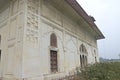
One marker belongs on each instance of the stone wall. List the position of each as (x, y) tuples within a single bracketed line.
[(25, 29), (11, 32), (42, 21)]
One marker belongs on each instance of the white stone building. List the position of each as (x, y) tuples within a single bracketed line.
[(45, 39)]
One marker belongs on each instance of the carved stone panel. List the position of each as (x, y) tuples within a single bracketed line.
[(33, 6), (32, 21), (32, 36), (32, 28)]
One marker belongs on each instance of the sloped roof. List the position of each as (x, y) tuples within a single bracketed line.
[(90, 20)]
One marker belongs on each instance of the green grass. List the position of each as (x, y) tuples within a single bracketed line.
[(101, 71)]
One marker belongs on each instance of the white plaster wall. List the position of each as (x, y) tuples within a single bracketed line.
[(11, 31), (71, 51), (25, 29)]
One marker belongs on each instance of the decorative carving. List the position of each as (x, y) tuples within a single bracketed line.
[(33, 6), (32, 21), (32, 28), (32, 36), (32, 32)]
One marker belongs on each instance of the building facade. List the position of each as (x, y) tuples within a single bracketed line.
[(45, 39)]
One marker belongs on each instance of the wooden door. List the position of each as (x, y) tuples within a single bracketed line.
[(53, 61)]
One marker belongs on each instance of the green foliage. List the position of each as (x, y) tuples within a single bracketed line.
[(101, 71)]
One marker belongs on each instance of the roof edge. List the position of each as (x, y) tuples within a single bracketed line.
[(76, 6)]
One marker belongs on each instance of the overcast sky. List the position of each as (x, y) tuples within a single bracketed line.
[(107, 15)]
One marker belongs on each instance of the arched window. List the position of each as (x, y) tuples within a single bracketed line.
[(83, 58), (53, 54), (95, 56), (83, 49), (53, 40)]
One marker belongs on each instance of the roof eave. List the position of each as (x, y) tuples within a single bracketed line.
[(75, 5)]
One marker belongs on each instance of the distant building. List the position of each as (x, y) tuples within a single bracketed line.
[(45, 39)]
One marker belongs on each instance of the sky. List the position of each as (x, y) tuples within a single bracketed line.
[(107, 16)]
